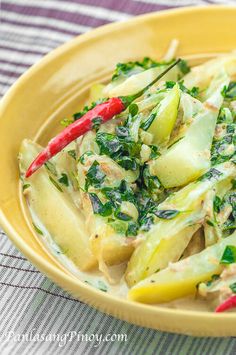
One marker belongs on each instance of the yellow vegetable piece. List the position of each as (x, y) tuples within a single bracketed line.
[(189, 157), (56, 211), (166, 114), (166, 239), (169, 248), (180, 279)]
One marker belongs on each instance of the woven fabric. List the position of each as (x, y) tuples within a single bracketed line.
[(36, 316)]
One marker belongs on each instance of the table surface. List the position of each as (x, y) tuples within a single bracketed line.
[(36, 316)]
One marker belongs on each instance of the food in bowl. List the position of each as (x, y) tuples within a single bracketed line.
[(136, 196)]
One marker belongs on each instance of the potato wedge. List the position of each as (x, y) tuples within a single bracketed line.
[(181, 279), (56, 211)]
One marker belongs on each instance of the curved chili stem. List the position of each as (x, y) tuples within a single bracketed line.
[(127, 100), (103, 112), (227, 304)]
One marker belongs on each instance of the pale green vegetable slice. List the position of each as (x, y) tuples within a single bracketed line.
[(181, 279), (137, 82), (189, 157), (202, 75), (169, 248), (165, 115), (190, 106), (51, 204), (188, 201), (96, 92), (148, 102)]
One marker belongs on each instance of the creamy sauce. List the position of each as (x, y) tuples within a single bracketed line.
[(96, 279)]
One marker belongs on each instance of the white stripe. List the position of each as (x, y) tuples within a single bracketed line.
[(14, 35), (174, 3), (15, 44), (40, 20), (36, 32), (87, 10), (3, 89), (225, 2), (19, 57), (17, 37), (8, 80), (12, 67)]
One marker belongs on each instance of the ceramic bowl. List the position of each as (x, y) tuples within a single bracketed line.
[(56, 87)]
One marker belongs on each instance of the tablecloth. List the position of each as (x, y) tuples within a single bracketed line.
[(36, 316)]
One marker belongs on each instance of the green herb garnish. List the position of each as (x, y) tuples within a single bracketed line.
[(55, 184), (132, 229), (37, 229), (124, 70), (51, 168), (102, 286), (72, 153), (78, 115), (98, 207), (217, 204), (229, 255), (95, 176), (229, 93), (65, 122), (64, 179), (213, 278), (96, 123), (86, 154), (108, 143), (133, 109), (25, 186), (146, 124), (184, 67), (211, 174), (152, 182), (167, 214), (233, 287)]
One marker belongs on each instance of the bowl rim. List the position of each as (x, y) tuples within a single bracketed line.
[(37, 260)]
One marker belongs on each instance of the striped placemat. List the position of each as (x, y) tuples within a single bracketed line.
[(36, 316)]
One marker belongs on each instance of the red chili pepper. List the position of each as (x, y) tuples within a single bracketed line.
[(227, 304), (104, 112)]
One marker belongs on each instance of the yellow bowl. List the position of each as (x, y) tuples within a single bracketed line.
[(54, 88)]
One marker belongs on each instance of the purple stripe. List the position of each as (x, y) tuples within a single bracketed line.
[(10, 73), (15, 62), (70, 17), (126, 6), (24, 50)]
